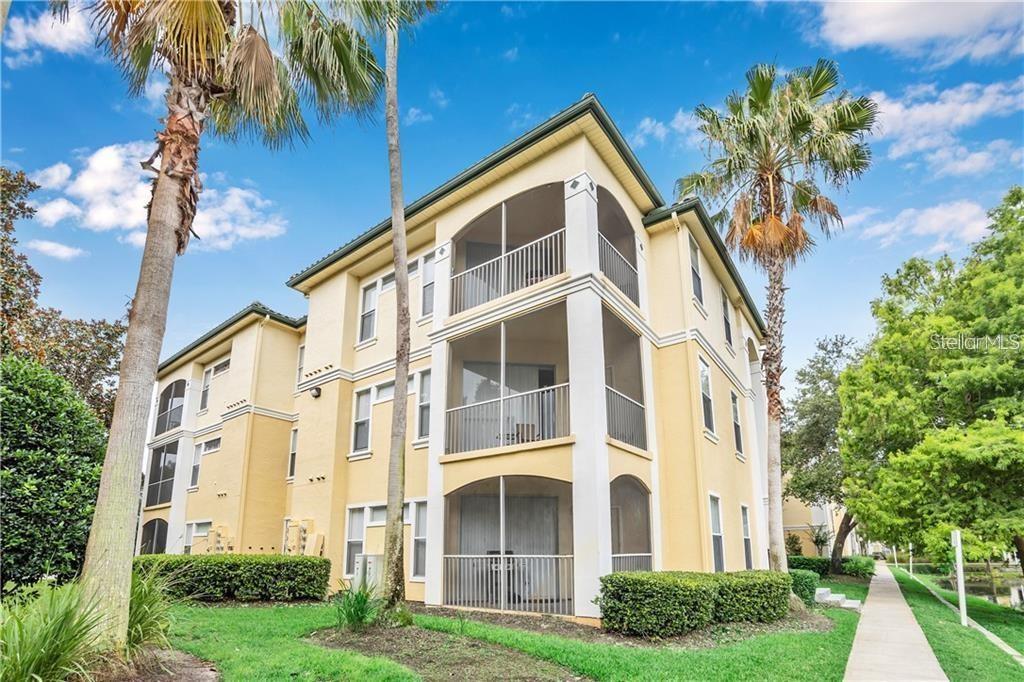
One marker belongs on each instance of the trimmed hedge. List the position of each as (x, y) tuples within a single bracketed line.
[(858, 566), (245, 577), (818, 564), (804, 584), (664, 604)]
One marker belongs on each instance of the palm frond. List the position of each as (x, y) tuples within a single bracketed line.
[(760, 81), (250, 74), (192, 36)]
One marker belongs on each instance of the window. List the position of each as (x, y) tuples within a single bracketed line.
[(736, 432), (293, 449), (298, 369), (356, 533), (727, 317), (197, 455), (414, 266), (367, 320), (717, 545), (221, 367), (419, 541), (378, 515), (698, 287), (423, 406), (204, 397), (406, 513), (199, 529), (361, 428), (387, 281), (705, 395), (748, 552), (154, 537), (427, 284), (386, 391), (168, 411), (161, 474)]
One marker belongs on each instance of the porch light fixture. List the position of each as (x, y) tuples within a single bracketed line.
[(315, 391)]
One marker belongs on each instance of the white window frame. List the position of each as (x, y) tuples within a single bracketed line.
[(375, 285), (368, 420), (737, 425), (204, 394), (704, 370), (387, 282), (424, 283), (377, 391), (748, 545), (696, 279), (420, 404), (721, 530), (727, 319), (418, 534), (221, 366), (190, 533), (300, 360), (293, 453), (370, 523), (349, 540), (197, 458)]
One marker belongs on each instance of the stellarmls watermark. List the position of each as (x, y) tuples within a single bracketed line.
[(980, 343)]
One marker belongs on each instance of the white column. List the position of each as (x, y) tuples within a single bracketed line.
[(433, 589), (581, 243), (592, 538), (641, 277), (646, 359), (179, 493), (757, 415)]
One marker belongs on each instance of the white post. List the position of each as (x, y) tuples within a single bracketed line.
[(911, 558), (960, 591), (895, 557)]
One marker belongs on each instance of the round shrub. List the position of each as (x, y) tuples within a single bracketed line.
[(805, 583), (51, 448)]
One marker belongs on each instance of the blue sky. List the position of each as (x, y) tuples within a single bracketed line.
[(948, 78)]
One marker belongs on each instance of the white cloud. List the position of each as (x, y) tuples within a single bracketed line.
[(682, 130), (958, 160), (54, 177), (28, 35), (942, 32), (511, 54), (439, 98), (950, 225), (520, 116), (52, 212), (414, 116), (155, 92), (646, 129), (860, 216), (109, 192), (928, 118), (55, 249)]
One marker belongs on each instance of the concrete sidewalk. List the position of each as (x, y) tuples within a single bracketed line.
[(889, 644)]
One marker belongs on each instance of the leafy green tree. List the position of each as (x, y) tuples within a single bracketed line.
[(51, 445), (944, 373), (767, 152), (85, 352), (810, 440)]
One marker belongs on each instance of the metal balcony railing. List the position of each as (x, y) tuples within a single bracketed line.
[(515, 270), (525, 583), (626, 419), (619, 270), (527, 417), (631, 562)]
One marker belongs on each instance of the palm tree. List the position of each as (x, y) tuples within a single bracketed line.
[(224, 76), (767, 152)]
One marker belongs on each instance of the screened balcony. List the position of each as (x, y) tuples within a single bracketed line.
[(508, 383), (617, 246), (631, 525), (513, 245), (623, 378), (509, 546)]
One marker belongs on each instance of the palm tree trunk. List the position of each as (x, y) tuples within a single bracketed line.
[(394, 561), (106, 573), (772, 363), (846, 527)]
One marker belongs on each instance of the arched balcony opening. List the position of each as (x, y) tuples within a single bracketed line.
[(623, 378), (509, 545), (511, 246), (617, 247), (631, 525), (170, 407), (154, 537)]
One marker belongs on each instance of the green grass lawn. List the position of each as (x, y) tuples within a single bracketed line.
[(262, 643), (268, 643), (1001, 620), (963, 653)]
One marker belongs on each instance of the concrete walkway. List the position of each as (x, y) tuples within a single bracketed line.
[(889, 644)]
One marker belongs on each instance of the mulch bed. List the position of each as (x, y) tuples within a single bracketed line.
[(717, 635), (161, 665), (441, 656)]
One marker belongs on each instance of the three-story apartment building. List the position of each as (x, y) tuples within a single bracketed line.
[(584, 392)]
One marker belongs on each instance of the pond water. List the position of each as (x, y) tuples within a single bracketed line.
[(1005, 589)]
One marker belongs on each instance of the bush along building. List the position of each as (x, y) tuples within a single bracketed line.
[(585, 393)]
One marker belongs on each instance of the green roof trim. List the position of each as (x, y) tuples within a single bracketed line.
[(254, 308), (589, 104), (693, 204)]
